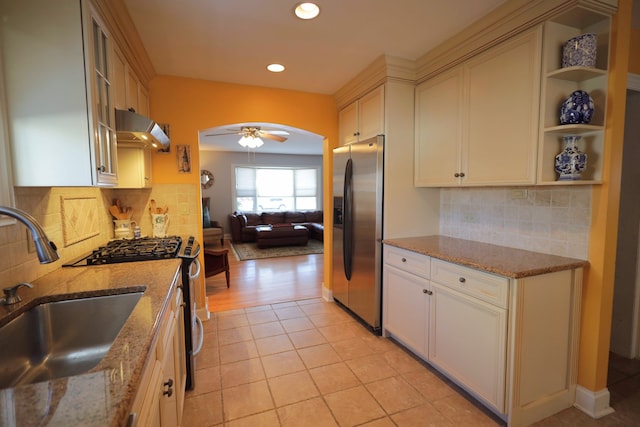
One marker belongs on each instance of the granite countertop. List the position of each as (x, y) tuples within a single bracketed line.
[(104, 395), (502, 260)]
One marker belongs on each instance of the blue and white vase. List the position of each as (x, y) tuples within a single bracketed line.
[(571, 162), (580, 51), (577, 108)]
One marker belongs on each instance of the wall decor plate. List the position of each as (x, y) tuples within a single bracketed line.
[(580, 51), (577, 108)]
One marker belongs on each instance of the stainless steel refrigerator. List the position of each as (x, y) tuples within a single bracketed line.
[(357, 228)]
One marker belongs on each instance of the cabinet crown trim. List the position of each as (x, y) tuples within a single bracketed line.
[(384, 68)]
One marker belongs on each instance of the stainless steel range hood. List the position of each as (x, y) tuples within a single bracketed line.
[(133, 127)]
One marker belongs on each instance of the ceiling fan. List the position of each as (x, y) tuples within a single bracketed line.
[(256, 132)]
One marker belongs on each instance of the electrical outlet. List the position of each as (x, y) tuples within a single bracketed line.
[(31, 246)]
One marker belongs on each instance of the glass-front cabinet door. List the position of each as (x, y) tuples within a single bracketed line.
[(102, 113)]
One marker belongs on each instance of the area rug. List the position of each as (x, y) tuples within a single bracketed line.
[(245, 251)]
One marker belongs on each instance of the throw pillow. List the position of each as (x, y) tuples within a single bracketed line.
[(206, 218)]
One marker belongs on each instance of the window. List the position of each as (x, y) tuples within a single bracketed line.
[(261, 189)]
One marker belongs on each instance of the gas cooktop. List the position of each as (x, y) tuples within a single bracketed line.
[(130, 250)]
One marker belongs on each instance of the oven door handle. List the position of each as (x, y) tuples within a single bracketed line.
[(197, 273), (200, 338)]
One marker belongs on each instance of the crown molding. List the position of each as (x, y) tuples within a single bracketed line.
[(382, 69), (125, 35), (506, 21)]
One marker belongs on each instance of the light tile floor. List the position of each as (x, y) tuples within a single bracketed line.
[(309, 363)]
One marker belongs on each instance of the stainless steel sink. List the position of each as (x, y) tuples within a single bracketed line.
[(63, 338)]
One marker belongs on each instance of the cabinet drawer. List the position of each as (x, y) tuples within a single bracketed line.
[(485, 286), (411, 262)]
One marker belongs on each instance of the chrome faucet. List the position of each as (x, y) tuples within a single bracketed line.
[(46, 249)]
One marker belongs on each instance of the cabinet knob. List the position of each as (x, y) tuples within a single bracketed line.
[(461, 174), (462, 280), (404, 260), (102, 168), (427, 291)]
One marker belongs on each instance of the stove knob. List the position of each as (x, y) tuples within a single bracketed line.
[(187, 251), (191, 240)]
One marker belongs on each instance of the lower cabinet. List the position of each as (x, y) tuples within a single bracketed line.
[(467, 339), (511, 343), (406, 302), (160, 397)]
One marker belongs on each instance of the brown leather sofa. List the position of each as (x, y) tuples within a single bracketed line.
[(243, 224)]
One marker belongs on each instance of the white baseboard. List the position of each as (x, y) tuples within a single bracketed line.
[(593, 403), (327, 294), (203, 314)]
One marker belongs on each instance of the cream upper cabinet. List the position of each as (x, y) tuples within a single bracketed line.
[(363, 118), (61, 115), (439, 130), (134, 166), (129, 90), (477, 124), (119, 79)]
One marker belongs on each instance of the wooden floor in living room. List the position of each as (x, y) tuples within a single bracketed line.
[(265, 281)]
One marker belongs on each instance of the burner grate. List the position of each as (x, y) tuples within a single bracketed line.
[(143, 249)]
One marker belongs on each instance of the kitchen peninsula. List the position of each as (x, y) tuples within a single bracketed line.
[(104, 396), (503, 323)]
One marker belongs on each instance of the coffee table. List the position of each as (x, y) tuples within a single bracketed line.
[(268, 236)]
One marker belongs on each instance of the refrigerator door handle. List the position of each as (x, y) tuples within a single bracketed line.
[(347, 235)]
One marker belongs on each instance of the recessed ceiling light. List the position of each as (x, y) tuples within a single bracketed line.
[(307, 10), (275, 68)]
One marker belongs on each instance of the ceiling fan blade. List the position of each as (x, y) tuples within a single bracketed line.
[(275, 132), (224, 133), (272, 137)]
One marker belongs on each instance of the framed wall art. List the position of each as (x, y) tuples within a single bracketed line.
[(166, 128), (184, 158)]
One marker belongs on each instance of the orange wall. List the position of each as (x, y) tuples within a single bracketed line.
[(597, 301), (190, 105)]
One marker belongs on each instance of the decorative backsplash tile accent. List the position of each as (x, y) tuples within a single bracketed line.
[(80, 219), (553, 220)]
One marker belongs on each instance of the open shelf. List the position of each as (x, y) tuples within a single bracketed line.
[(558, 83)]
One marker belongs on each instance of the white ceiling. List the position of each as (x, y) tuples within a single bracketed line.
[(233, 40)]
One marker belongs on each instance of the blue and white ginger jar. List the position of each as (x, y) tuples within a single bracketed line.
[(577, 108), (571, 162), (580, 51)]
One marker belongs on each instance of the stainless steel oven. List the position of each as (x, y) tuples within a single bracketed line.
[(193, 329)]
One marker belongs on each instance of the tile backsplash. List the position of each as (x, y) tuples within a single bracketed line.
[(77, 220), (554, 220)]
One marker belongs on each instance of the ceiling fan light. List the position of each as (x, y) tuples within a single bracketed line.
[(249, 141), (307, 10), (275, 68), (245, 141)]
